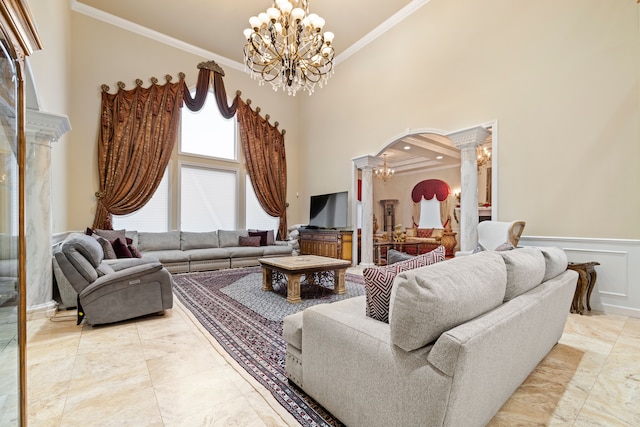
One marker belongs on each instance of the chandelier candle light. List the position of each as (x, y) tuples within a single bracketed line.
[(287, 48), (385, 173)]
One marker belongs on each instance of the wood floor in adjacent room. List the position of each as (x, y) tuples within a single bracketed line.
[(165, 371)]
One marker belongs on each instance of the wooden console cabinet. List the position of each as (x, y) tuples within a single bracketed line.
[(329, 243)]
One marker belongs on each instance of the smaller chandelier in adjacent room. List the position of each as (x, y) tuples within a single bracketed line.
[(287, 48), (483, 155), (385, 173)]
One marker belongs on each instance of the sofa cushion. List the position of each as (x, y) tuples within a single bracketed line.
[(158, 241), (292, 329), (555, 262), (209, 253), (525, 270), (230, 238), (246, 252), (378, 281), (428, 301), (194, 240), (172, 255), (394, 256), (277, 250)]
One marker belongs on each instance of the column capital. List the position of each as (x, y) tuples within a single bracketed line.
[(469, 138), (47, 126), (367, 162)]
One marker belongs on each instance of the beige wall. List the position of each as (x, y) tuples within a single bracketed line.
[(53, 79), (561, 79)]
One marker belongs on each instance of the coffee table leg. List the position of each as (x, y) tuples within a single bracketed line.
[(267, 279), (338, 282), (293, 288)]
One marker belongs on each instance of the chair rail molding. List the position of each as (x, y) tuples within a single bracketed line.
[(617, 290)]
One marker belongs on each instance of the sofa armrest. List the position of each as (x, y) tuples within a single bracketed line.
[(345, 353), (124, 263), (131, 275)]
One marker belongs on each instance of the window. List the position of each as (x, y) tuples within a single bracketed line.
[(207, 133), (255, 216), (208, 199), (154, 216)]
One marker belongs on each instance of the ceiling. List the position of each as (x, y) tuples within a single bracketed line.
[(216, 26)]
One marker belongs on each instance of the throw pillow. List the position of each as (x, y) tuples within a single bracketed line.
[(271, 238), (107, 248), (135, 253), (111, 235), (261, 234), (121, 249), (425, 232), (378, 282), (506, 246), (478, 248), (249, 241), (394, 256)]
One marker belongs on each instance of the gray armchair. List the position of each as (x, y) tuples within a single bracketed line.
[(111, 292)]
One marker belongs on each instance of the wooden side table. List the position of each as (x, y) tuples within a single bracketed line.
[(586, 282)]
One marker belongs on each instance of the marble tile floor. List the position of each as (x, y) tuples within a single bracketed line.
[(166, 371)]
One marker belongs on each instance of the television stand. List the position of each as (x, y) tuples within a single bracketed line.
[(326, 242)]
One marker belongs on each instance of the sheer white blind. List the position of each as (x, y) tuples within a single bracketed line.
[(255, 216), (208, 199), (152, 217)]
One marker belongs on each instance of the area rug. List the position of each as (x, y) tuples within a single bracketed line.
[(247, 322)]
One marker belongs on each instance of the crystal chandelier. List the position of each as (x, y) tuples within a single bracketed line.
[(287, 48), (483, 155), (385, 173)]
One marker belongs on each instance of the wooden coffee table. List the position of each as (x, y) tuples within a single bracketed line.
[(293, 267)]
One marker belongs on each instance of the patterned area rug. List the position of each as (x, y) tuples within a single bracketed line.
[(247, 322)]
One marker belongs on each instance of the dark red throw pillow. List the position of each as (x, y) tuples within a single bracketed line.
[(121, 249), (261, 234), (249, 241), (135, 253)]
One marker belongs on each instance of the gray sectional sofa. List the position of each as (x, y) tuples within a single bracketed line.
[(183, 252), (463, 335)]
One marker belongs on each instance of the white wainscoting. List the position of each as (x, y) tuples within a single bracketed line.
[(617, 288)]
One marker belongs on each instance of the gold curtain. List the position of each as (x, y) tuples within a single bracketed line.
[(264, 151), (137, 134)]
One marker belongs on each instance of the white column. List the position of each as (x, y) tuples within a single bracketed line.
[(467, 141), (41, 129), (366, 164)]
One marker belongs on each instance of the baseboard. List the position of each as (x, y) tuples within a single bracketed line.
[(41, 311)]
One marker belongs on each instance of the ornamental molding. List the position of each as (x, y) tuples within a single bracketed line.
[(469, 138), (367, 162), (48, 126)]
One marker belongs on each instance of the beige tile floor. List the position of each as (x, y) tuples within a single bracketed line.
[(164, 371)]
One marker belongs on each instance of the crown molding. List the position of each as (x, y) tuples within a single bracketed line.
[(152, 34), (100, 15), (394, 20)]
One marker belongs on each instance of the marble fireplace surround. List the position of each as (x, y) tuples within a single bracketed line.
[(41, 130), (467, 140)]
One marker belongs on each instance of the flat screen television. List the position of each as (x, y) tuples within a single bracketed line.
[(328, 210)]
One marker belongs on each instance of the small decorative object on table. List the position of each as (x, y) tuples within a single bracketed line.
[(584, 287)]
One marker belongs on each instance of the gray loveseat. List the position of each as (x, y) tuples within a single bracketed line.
[(183, 252), (463, 335)]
